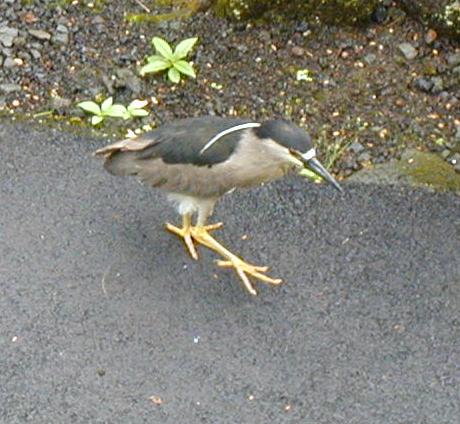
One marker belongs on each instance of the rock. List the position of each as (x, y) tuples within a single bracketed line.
[(9, 88), (9, 63), (370, 58), (61, 36), (453, 60), (364, 157), (59, 103), (416, 169), (456, 70), (356, 147), (445, 153), (127, 78), (35, 54), (408, 50), (40, 34), (457, 133), (7, 35), (455, 159), (438, 85), (1, 60), (297, 51), (430, 36), (423, 84)]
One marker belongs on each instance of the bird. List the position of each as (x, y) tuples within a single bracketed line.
[(198, 160)]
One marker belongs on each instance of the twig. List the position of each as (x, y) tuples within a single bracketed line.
[(103, 280), (143, 6)]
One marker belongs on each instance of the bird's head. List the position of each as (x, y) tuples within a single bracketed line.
[(299, 145)]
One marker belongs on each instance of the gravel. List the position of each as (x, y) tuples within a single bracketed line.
[(76, 52)]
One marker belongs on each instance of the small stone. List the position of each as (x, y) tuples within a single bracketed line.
[(9, 63), (59, 103), (445, 153), (438, 85), (455, 159), (423, 84), (370, 58), (453, 60), (356, 147), (7, 35), (40, 34), (9, 88), (364, 157), (297, 51), (35, 54), (60, 38), (457, 133), (456, 70), (430, 36), (408, 50), (127, 78)]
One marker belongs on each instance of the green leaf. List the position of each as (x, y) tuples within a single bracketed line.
[(162, 47), (137, 104), (106, 104), (174, 75), (155, 58), (185, 68), (184, 47), (155, 66), (116, 111), (139, 112), (96, 119), (90, 107)]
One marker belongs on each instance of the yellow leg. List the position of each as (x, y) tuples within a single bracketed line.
[(186, 233), (243, 269)]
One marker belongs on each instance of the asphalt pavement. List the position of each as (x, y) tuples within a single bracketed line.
[(104, 318)]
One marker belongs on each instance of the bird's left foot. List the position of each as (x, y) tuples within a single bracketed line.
[(243, 269)]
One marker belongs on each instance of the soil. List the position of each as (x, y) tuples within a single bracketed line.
[(370, 93)]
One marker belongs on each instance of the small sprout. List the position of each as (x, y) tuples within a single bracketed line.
[(167, 59), (304, 75), (136, 108), (109, 109)]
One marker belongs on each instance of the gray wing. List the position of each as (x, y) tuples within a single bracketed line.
[(169, 157)]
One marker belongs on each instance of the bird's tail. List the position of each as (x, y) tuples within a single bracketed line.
[(121, 158)]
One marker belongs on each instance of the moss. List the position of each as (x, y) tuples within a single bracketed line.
[(140, 18), (329, 11), (429, 169)]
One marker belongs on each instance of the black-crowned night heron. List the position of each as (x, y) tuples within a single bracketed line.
[(198, 160)]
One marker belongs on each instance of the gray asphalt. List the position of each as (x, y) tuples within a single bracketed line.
[(101, 309)]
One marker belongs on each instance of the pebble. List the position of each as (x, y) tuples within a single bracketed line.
[(364, 157), (9, 88), (408, 50), (430, 36), (40, 34), (453, 59), (423, 84), (356, 147), (9, 63), (438, 85), (297, 51), (61, 36), (59, 103), (370, 58), (7, 35)]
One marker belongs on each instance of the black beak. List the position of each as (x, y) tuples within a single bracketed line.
[(315, 165)]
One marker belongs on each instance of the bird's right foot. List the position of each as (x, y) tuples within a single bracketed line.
[(187, 234)]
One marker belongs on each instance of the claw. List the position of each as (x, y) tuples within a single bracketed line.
[(200, 235)]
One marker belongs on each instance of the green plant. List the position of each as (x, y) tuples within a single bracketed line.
[(109, 109), (174, 62)]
